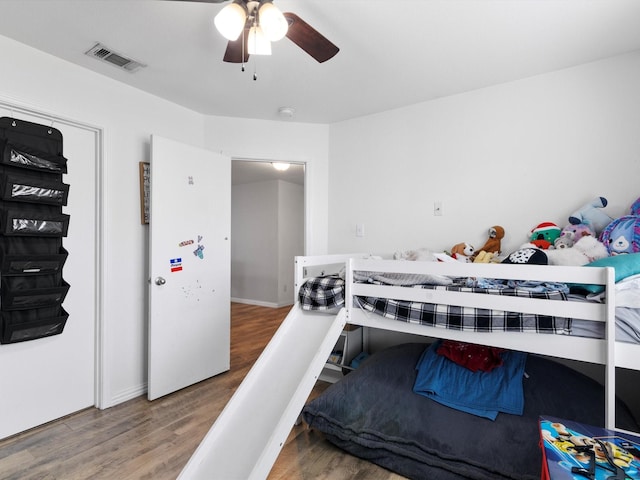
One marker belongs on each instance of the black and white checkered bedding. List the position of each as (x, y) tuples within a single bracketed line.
[(327, 293), (322, 293)]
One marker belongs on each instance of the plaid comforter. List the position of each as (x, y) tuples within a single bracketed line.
[(322, 293), (326, 293)]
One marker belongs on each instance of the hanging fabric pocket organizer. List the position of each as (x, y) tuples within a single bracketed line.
[(32, 226)]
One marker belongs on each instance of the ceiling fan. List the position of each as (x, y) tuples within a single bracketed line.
[(246, 14)]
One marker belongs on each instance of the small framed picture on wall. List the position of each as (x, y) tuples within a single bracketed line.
[(145, 177)]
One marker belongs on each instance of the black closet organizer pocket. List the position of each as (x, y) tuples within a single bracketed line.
[(26, 157), (31, 246), (22, 325), (32, 264), (34, 291), (32, 226), (33, 220), (33, 190)]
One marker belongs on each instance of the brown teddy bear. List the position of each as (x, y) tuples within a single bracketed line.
[(492, 245)]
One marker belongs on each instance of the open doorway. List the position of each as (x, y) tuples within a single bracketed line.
[(267, 231)]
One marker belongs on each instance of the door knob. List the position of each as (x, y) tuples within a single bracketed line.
[(160, 281)]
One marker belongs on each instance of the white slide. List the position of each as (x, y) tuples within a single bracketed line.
[(246, 438)]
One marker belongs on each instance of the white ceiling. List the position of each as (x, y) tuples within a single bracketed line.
[(392, 52)]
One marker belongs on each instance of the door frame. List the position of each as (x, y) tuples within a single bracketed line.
[(100, 364)]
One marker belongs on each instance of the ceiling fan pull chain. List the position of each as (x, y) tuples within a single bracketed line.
[(242, 34), (255, 73)]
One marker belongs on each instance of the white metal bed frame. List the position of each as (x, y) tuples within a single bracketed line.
[(249, 433), (604, 351)]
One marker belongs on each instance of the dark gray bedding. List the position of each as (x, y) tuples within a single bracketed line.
[(373, 413)]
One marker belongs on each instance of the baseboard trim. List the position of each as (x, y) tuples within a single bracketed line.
[(127, 395), (259, 303)]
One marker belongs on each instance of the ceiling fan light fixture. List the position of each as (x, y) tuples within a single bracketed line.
[(231, 19), (258, 43), (272, 21)]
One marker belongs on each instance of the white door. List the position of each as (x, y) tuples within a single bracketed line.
[(48, 378), (189, 291)]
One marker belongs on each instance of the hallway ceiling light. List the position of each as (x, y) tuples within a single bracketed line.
[(281, 166)]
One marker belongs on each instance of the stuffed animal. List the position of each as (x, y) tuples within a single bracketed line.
[(590, 214), (418, 255), (492, 245), (564, 241), (484, 257), (586, 250), (571, 234), (578, 230), (462, 252), (623, 234), (544, 234)]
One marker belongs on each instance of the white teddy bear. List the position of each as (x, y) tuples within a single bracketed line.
[(418, 255), (585, 250)]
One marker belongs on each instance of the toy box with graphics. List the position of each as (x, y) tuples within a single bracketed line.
[(573, 450)]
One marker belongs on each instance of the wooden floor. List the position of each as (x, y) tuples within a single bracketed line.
[(153, 440)]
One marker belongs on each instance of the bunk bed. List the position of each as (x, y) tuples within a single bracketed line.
[(373, 412), (423, 439)]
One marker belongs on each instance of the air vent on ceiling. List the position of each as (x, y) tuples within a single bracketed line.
[(105, 54)]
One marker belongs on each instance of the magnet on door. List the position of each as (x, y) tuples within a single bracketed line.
[(198, 252), (176, 264)]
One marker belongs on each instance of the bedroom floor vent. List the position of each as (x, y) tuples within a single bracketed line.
[(107, 55)]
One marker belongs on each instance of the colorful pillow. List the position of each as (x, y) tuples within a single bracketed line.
[(528, 255), (625, 265)]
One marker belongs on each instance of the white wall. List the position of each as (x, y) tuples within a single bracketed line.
[(514, 155), (267, 220), (290, 237), (128, 118), (283, 142), (254, 242)]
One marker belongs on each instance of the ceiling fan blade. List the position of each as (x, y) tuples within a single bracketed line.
[(234, 51), (309, 39)]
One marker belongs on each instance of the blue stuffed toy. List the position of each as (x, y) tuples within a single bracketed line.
[(622, 235), (591, 215)]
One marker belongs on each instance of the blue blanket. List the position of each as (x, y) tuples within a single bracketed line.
[(480, 393)]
